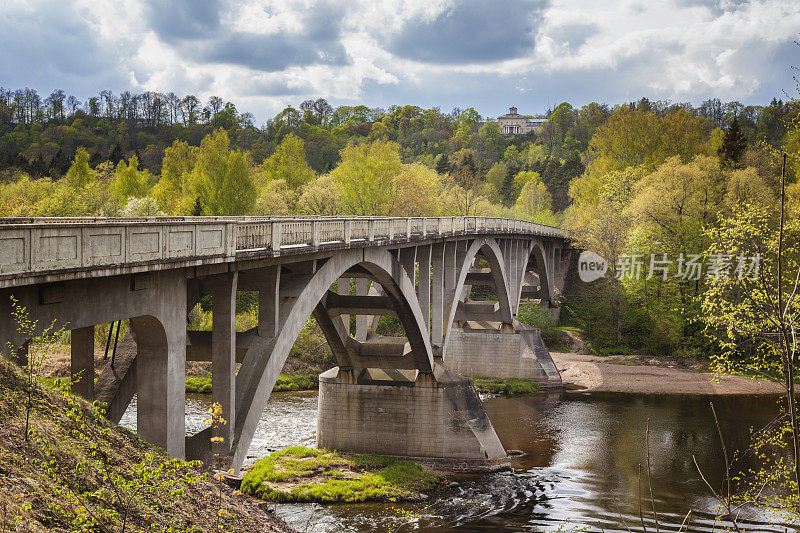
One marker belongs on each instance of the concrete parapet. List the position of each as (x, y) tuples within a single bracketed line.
[(520, 354), (437, 418)]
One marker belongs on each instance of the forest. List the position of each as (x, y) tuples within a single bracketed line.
[(644, 178)]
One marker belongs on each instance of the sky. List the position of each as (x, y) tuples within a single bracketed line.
[(488, 54)]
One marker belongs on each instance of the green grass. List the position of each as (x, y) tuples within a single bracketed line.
[(300, 474), (506, 387), (202, 385), (286, 382)]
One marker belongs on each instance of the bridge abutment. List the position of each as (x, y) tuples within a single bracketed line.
[(434, 418)]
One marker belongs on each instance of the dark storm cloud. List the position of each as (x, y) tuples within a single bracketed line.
[(472, 31), (194, 28)]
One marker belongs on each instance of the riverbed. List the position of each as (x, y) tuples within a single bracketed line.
[(581, 463)]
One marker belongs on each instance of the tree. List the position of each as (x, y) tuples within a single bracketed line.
[(628, 138), (173, 190), (79, 173), (534, 203), (129, 181), (215, 103), (365, 177), (753, 317), (734, 144), (275, 199), (288, 163), (495, 178), (442, 164), (320, 197), (416, 190), (189, 106), (222, 179), (680, 201)]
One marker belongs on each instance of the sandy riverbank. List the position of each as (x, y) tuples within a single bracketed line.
[(621, 374)]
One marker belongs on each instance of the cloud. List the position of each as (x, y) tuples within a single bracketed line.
[(184, 19), (202, 31), (487, 54), (52, 46), (470, 31)]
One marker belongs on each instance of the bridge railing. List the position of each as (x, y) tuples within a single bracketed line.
[(41, 245)]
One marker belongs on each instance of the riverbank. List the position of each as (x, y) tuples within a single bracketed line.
[(78, 471), (642, 375)]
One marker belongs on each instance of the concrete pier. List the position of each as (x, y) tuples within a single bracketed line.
[(435, 418), (520, 354)]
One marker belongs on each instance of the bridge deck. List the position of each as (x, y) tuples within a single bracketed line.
[(35, 250)]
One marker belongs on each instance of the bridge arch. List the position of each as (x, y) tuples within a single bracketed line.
[(491, 251), (538, 260), (262, 364)]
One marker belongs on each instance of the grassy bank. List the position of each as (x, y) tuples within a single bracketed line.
[(506, 387), (286, 382), (301, 474), (73, 470)]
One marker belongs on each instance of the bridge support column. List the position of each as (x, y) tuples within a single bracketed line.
[(362, 321), (424, 286), (437, 298), (223, 358), (82, 362), (161, 367), (520, 354), (433, 418)]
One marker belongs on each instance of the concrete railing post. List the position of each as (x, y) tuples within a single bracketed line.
[(408, 229), (232, 234), (348, 231), (439, 226), (315, 233), (391, 229), (275, 245), (371, 230)]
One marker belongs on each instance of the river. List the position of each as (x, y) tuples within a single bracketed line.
[(579, 471)]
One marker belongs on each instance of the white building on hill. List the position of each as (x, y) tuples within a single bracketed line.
[(513, 123)]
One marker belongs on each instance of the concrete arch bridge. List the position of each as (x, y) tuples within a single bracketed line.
[(399, 395)]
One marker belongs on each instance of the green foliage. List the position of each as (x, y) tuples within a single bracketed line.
[(538, 317), (344, 478), (129, 181), (222, 178), (288, 163), (79, 173), (734, 144), (506, 387), (365, 177), (198, 384), (285, 382)]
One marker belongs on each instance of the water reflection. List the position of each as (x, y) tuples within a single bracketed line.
[(581, 465)]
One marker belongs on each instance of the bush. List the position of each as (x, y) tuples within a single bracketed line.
[(538, 317), (506, 387)]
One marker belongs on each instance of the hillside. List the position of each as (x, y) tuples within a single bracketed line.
[(79, 472)]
